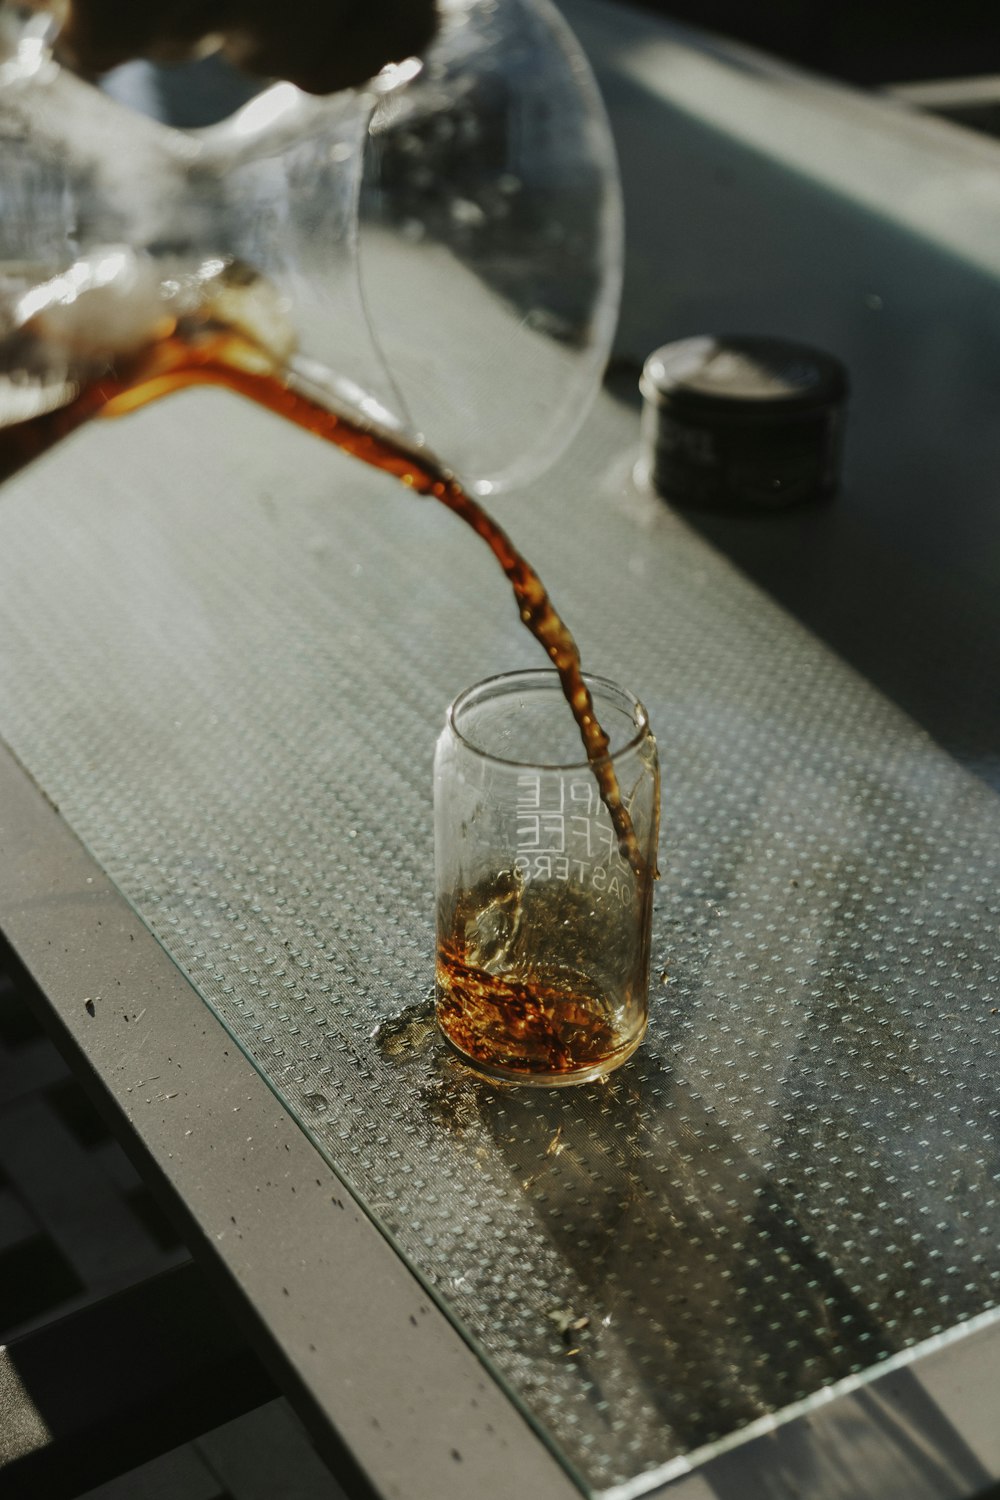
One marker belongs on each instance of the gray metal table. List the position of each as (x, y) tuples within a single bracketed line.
[(226, 654)]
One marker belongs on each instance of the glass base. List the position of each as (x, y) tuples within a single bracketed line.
[(547, 1080)]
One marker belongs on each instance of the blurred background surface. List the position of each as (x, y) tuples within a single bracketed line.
[(869, 42)]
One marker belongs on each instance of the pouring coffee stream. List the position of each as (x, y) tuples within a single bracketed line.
[(217, 326), (167, 257)]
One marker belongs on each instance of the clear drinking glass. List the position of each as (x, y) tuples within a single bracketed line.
[(543, 927)]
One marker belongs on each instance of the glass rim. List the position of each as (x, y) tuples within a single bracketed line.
[(547, 677)]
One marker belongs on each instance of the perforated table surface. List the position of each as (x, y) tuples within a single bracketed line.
[(227, 651)]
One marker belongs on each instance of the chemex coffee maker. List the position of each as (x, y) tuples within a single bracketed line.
[(434, 260)]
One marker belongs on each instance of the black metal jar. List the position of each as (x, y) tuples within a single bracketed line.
[(741, 423)]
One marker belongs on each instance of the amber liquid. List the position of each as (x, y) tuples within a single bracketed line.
[(517, 1027), (211, 354), (534, 982)]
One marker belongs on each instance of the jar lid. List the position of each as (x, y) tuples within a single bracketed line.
[(742, 376)]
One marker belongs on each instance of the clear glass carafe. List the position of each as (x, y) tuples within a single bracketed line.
[(436, 257)]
